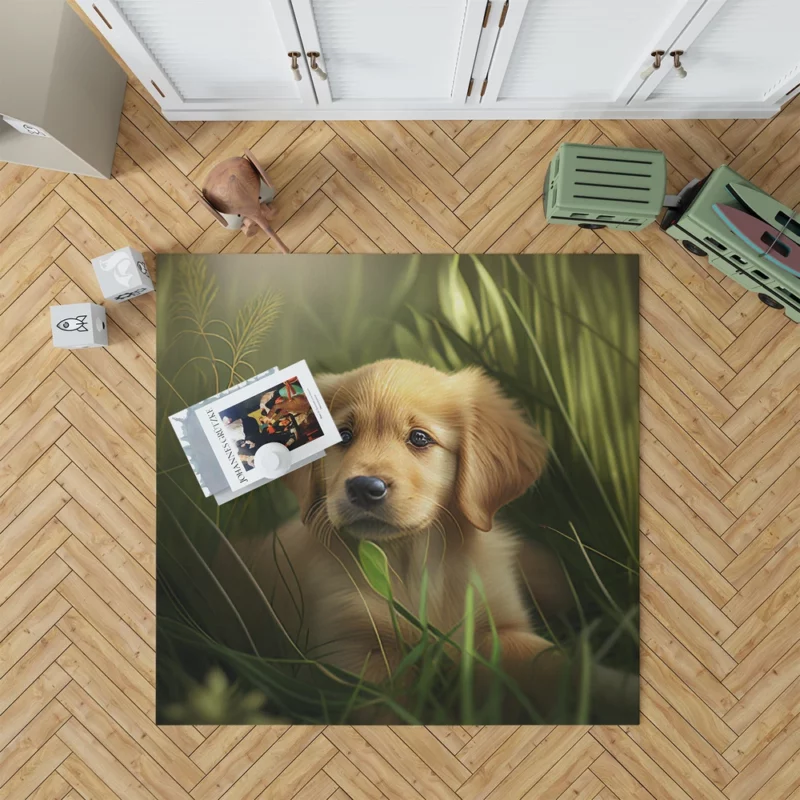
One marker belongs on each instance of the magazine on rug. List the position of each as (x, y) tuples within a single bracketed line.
[(285, 408), (223, 436)]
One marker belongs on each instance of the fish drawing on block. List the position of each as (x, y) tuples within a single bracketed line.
[(763, 238), (119, 264), (77, 324)]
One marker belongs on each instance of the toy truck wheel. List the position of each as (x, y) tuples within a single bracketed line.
[(592, 226), (693, 248), (769, 301)]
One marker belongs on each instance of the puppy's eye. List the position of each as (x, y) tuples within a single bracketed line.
[(419, 438), (346, 434)]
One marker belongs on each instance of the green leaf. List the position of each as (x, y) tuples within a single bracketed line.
[(423, 600), (404, 284), (408, 346), (431, 354), (452, 358), (584, 680), (376, 568), (468, 658), (456, 301), (410, 659)]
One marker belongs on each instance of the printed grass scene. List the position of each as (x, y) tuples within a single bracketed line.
[(552, 340)]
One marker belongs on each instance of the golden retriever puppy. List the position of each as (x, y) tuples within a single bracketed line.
[(427, 460)]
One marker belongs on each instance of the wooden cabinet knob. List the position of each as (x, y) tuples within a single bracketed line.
[(657, 56), (294, 55), (315, 67), (676, 60)]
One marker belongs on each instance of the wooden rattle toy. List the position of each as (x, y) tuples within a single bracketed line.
[(237, 192)]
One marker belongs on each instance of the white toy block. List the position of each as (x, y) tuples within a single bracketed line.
[(122, 274), (78, 325)]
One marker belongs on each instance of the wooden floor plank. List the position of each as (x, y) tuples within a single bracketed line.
[(159, 131), (678, 475), (209, 135), (678, 733), (54, 787), (152, 197), (31, 629), (94, 608), (12, 176), (288, 146), (419, 161), (25, 199), (662, 605), (108, 461), (691, 707), (28, 233), (399, 198), (474, 134), (37, 296), (683, 446), (31, 738), (231, 765), (124, 711), (348, 200), (31, 266), (119, 743), (36, 770), (89, 757), (144, 153), (492, 153), (499, 210), (498, 182), (681, 553), (123, 427), (437, 143)]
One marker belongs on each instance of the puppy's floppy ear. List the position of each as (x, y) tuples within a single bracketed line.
[(308, 483), (501, 453)]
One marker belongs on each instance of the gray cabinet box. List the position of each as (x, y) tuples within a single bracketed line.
[(58, 78)]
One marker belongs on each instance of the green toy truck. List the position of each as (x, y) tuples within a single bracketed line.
[(605, 187), (696, 225), (612, 187)]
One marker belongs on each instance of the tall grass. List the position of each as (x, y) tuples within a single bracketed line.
[(560, 333)]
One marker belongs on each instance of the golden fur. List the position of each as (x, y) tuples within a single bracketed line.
[(439, 512)]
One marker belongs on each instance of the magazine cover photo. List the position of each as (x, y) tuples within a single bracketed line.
[(456, 542), (281, 414)]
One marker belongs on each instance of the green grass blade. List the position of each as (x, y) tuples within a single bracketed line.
[(468, 659)]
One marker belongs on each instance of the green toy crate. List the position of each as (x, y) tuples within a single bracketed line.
[(598, 187), (697, 226)]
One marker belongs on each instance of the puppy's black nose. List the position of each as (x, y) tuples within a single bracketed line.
[(365, 490)]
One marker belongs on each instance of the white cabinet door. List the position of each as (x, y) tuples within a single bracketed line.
[(736, 51), (208, 55), (390, 54), (562, 54)]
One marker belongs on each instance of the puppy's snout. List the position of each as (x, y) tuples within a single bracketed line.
[(365, 490)]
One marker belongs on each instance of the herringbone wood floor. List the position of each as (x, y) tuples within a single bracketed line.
[(720, 491)]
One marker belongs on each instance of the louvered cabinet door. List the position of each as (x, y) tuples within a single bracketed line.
[(206, 56), (578, 54), (736, 51), (390, 54)]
